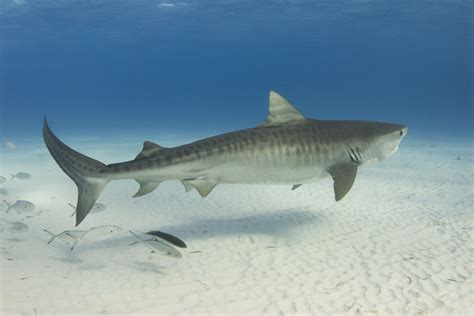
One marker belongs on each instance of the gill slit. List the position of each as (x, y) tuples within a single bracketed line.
[(355, 157)]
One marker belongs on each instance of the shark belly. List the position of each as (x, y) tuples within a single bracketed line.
[(261, 170), (264, 175)]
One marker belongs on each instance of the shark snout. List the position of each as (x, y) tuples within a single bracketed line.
[(404, 131)]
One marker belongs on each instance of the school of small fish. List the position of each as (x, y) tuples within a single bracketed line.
[(159, 242), (20, 206)]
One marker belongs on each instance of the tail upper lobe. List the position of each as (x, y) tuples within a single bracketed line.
[(84, 171)]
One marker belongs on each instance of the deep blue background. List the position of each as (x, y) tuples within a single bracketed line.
[(118, 67)]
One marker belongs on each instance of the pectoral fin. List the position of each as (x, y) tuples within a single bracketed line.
[(146, 187), (343, 176), (203, 186)]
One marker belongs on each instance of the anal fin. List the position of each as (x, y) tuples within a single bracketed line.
[(295, 186), (343, 176), (146, 187)]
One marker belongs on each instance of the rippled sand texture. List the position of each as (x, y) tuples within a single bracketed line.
[(400, 243)]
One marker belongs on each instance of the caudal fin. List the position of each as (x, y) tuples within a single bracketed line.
[(9, 206), (84, 171), (53, 236)]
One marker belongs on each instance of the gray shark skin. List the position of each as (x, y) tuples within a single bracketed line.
[(287, 148)]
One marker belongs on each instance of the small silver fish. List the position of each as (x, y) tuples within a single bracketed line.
[(101, 232), (13, 227), (21, 176), (74, 236), (3, 179), (156, 246), (96, 208), (68, 236), (18, 227), (3, 192), (20, 206)]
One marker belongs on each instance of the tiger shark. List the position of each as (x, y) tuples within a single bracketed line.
[(287, 148)]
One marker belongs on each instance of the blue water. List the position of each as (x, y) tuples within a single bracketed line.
[(163, 67), (111, 74)]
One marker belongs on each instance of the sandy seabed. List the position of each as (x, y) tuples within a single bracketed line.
[(400, 243)]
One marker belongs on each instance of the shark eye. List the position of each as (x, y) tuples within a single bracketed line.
[(401, 133)]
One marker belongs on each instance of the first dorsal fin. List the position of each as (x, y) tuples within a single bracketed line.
[(149, 148), (147, 145), (281, 112)]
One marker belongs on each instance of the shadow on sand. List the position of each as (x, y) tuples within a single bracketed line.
[(272, 223), (277, 223)]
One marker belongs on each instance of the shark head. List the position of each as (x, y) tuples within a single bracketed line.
[(383, 140), (369, 141)]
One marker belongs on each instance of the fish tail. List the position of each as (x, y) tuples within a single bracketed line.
[(73, 213), (87, 173), (8, 205), (135, 235), (74, 244), (53, 236)]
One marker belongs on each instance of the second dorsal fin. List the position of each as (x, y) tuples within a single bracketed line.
[(281, 112), (149, 149)]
